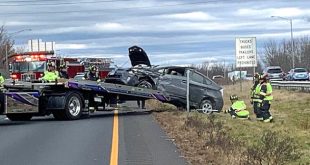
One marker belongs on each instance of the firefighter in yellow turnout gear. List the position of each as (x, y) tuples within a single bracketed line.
[(1, 79), (264, 90), (255, 97), (51, 75), (238, 108)]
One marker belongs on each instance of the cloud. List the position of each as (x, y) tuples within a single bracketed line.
[(284, 12), (192, 16), (71, 46), (111, 26)]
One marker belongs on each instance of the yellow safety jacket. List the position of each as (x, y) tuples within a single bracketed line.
[(256, 94), (265, 95), (50, 76), (1, 80), (240, 108)]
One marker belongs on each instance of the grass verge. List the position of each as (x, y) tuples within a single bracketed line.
[(218, 139)]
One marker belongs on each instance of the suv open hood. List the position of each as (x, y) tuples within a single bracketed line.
[(138, 56)]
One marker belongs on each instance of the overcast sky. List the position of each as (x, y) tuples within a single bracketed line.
[(171, 32)]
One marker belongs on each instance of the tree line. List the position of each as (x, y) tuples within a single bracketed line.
[(274, 53)]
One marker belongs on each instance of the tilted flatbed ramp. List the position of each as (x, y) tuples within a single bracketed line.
[(93, 86), (118, 89)]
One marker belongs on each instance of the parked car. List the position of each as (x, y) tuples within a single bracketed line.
[(204, 93), (79, 76), (297, 74), (274, 72)]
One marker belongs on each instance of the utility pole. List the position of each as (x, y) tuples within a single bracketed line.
[(292, 38)]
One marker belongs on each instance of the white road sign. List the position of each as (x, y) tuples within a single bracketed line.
[(39, 45), (246, 52)]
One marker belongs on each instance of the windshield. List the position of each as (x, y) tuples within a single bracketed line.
[(36, 66), (300, 70), (274, 71)]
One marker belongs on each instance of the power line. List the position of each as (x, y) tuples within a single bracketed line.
[(62, 3), (125, 8)]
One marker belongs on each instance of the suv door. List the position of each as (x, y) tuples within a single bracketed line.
[(174, 85), (198, 87)]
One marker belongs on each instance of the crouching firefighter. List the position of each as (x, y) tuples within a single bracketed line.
[(265, 92), (238, 108)]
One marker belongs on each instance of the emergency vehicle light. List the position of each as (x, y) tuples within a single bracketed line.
[(13, 76), (28, 59)]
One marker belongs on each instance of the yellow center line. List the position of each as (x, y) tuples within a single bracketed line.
[(114, 148)]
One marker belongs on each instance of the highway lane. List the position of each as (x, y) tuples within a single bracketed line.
[(47, 141)]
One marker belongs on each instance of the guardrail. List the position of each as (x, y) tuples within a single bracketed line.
[(292, 85)]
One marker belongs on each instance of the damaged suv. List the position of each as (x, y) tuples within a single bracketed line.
[(140, 74), (204, 94)]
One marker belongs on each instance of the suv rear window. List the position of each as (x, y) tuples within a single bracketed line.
[(274, 71)]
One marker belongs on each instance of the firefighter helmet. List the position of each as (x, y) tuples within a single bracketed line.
[(264, 77), (51, 64), (93, 68), (233, 97)]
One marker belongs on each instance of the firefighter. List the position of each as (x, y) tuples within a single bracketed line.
[(51, 74), (63, 72), (265, 92), (1, 79), (92, 74), (238, 108), (255, 98)]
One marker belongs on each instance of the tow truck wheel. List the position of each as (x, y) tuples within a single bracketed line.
[(74, 106), (19, 117)]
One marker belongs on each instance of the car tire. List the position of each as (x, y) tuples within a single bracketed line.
[(206, 107), (19, 117)]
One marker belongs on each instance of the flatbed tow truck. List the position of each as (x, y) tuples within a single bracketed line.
[(66, 99)]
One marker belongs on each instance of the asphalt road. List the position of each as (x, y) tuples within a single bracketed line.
[(45, 141)]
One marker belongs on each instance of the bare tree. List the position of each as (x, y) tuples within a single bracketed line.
[(280, 53), (6, 45)]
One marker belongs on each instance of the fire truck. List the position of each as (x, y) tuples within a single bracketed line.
[(31, 65)]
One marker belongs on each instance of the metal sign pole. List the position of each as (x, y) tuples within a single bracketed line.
[(187, 90), (240, 80)]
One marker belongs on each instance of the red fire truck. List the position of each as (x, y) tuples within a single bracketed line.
[(31, 65)]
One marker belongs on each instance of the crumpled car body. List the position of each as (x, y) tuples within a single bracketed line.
[(204, 93)]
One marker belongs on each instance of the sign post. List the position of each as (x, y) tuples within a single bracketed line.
[(246, 55)]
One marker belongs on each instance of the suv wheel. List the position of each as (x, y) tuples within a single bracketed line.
[(206, 107), (145, 84)]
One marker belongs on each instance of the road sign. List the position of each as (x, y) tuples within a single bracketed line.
[(246, 52), (38, 45)]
